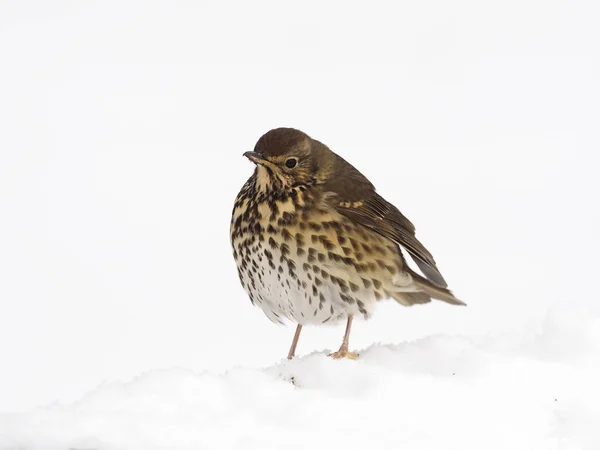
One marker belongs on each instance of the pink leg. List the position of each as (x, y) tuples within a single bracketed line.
[(343, 351), (295, 342)]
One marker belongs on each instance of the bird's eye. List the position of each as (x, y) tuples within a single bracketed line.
[(290, 163)]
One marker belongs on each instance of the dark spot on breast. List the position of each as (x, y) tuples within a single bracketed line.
[(361, 232), (347, 298), (361, 267), (286, 234), (336, 226), (314, 226), (287, 219), (326, 242), (238, 221), (378, 249), (361, 307), (274, 209)]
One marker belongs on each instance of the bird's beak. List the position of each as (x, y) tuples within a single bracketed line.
[(256, 158)]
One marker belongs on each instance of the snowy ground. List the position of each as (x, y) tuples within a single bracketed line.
[(535, 391)]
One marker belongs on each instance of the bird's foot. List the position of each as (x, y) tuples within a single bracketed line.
[(343, 353)]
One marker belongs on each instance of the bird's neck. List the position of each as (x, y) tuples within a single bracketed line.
[(271, 189), (266, 181)]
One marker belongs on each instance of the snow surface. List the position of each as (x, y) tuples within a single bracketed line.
[(442, 392)]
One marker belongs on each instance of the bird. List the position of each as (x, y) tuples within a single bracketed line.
[(314, 243)]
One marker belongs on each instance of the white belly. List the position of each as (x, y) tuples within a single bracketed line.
[(296, 297)]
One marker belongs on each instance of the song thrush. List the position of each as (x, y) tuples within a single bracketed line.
[(315, 243)]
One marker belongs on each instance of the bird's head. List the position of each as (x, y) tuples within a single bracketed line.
[(286, 157)]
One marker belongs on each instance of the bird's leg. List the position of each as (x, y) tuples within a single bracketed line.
[(295, 342), (343, 351)]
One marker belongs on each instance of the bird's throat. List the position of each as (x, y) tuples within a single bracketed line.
[(267, 180)]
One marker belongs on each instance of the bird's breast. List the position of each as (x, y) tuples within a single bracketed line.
[(300, 261)]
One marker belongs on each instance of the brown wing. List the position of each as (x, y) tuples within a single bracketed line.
[(353, 196)]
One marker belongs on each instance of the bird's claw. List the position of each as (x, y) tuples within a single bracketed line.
[(343, 353)]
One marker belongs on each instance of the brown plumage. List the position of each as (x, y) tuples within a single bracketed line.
[(314, 242)]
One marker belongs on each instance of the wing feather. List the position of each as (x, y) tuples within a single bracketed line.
[(353, 196)]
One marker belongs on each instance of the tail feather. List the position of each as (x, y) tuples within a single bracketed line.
[(410, 298), (435, 291), (412, 288)]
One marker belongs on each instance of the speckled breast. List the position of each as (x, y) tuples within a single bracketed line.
[(299, 261)]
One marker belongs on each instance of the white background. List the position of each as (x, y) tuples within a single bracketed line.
[(122, 126)]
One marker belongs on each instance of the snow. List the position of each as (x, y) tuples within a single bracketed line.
[(122, 128), (441, 392)]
